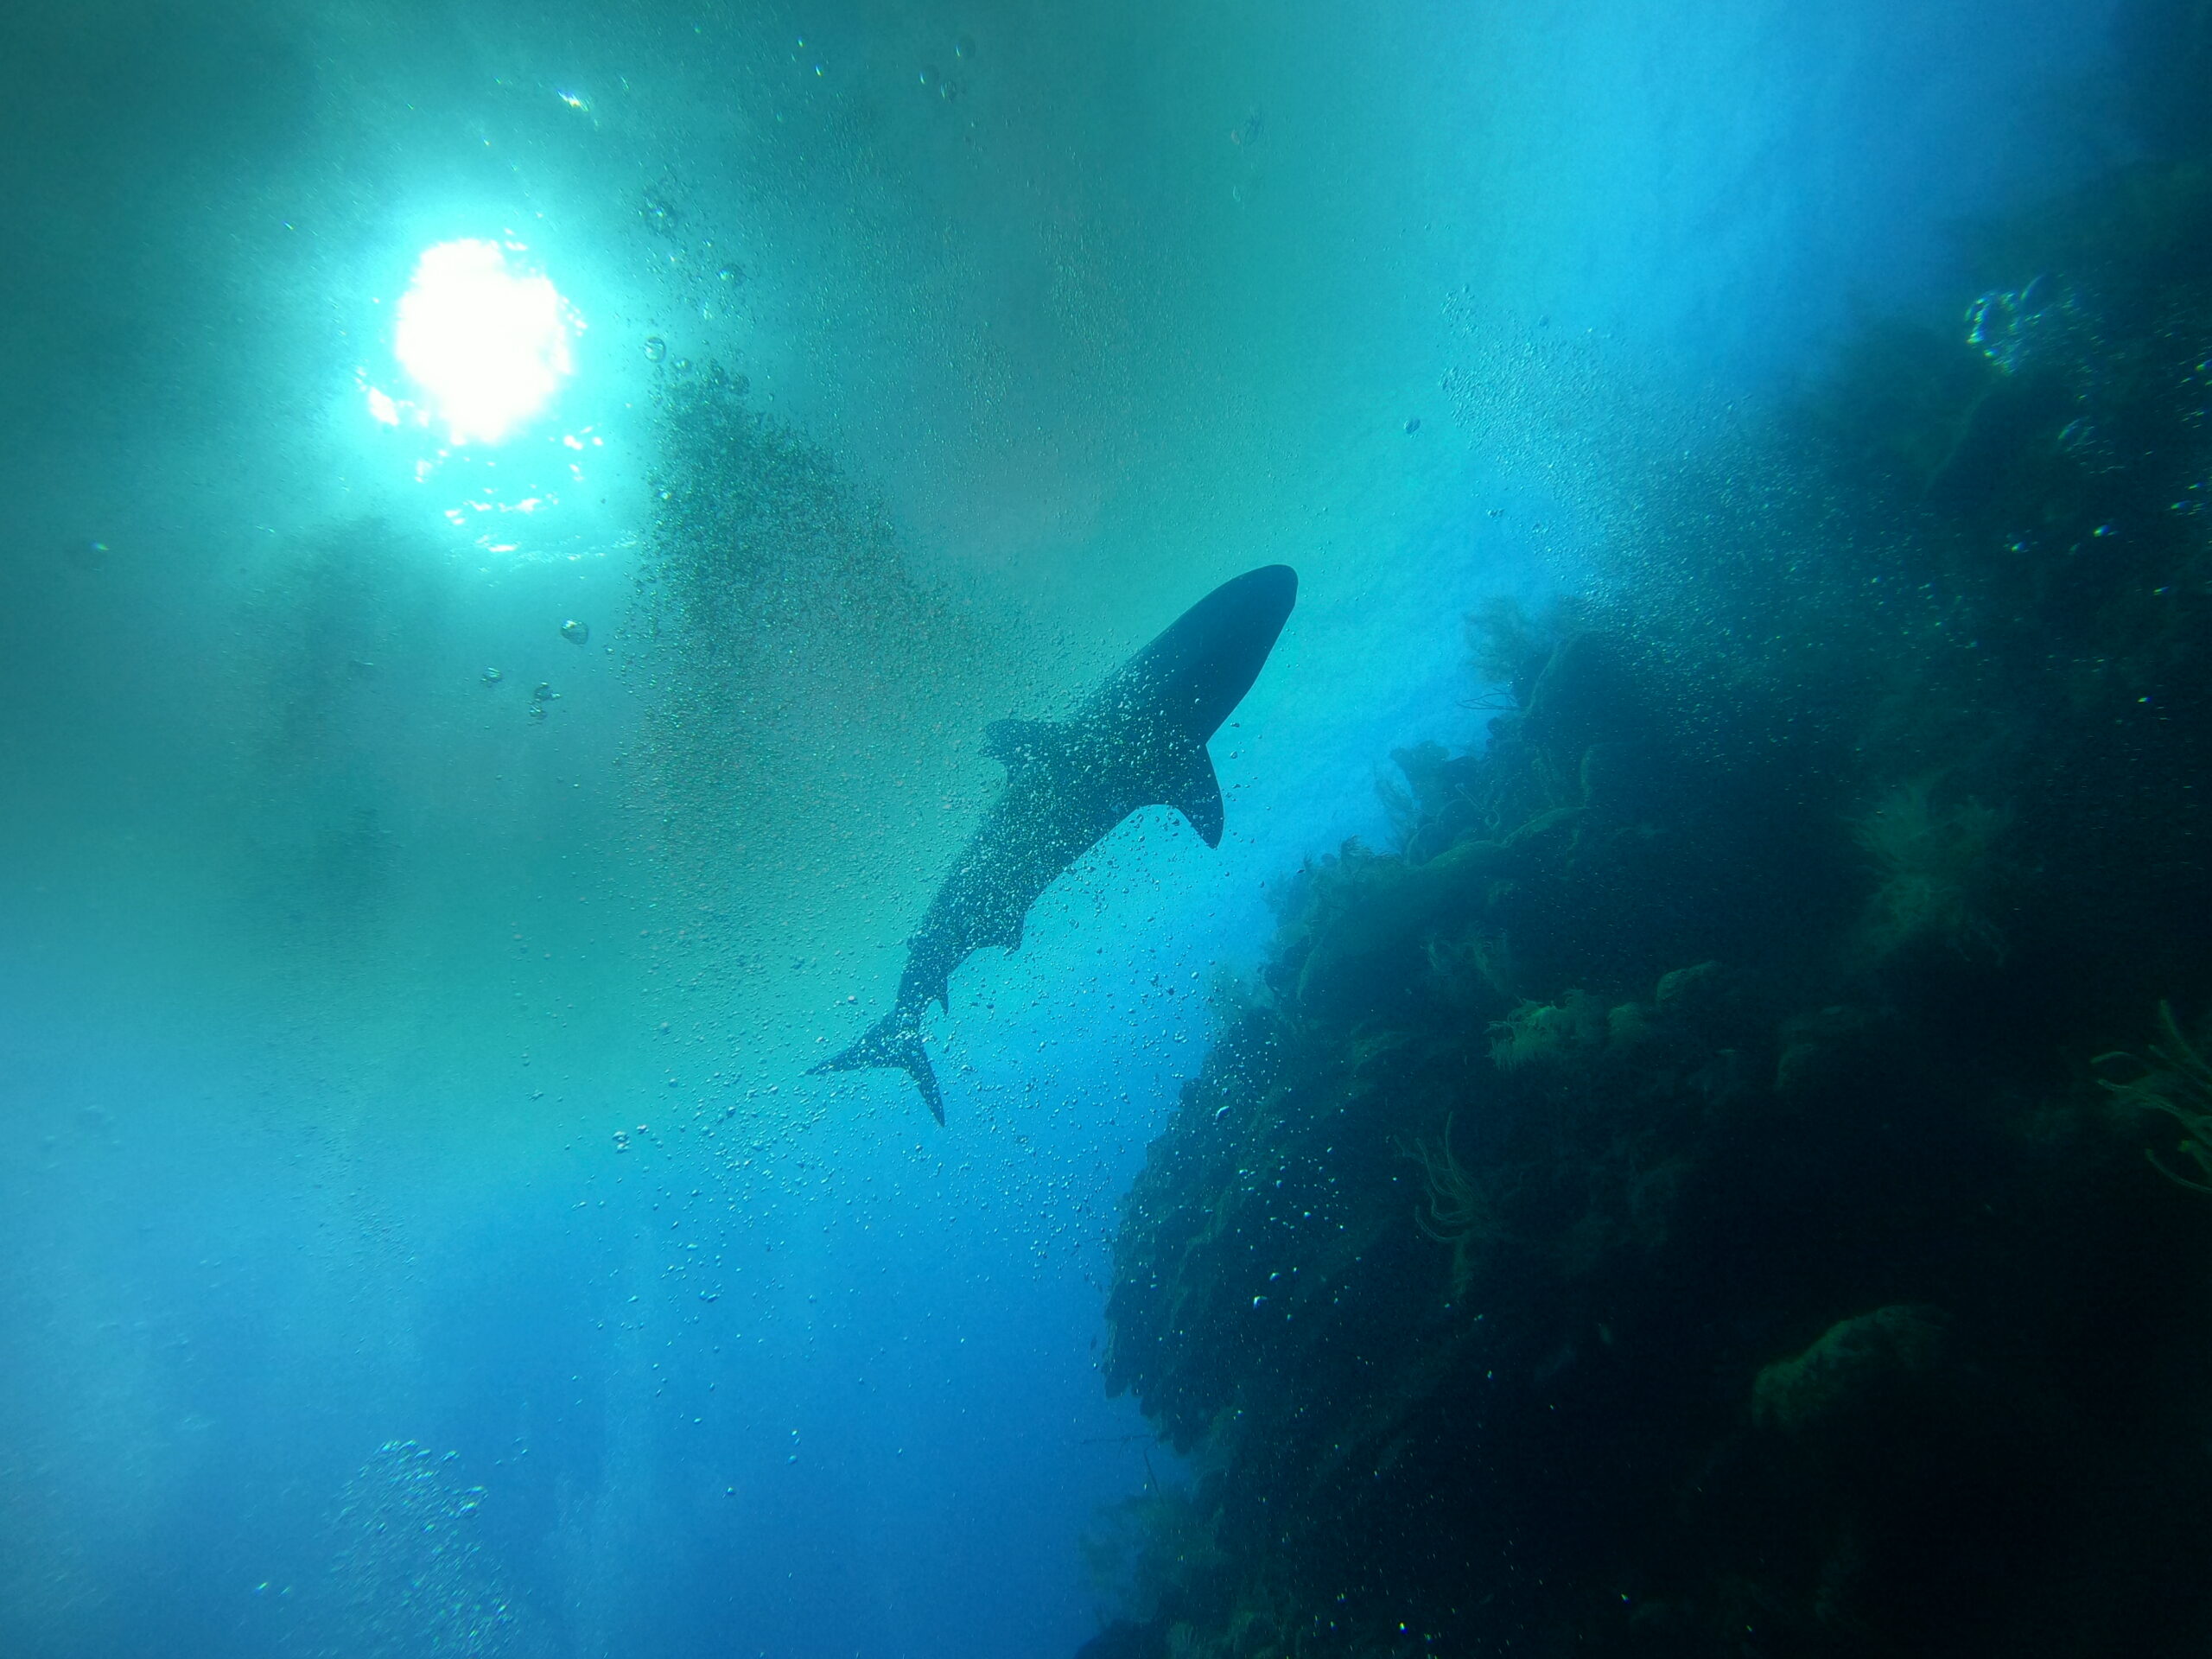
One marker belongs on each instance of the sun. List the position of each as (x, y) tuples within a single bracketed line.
[(486, 345)]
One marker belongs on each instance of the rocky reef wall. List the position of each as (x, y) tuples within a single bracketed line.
[(1691, 1195)]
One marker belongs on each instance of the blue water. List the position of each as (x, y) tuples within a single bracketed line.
[(418, 1232)]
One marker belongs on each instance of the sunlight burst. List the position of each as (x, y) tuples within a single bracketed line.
[(487, 346)]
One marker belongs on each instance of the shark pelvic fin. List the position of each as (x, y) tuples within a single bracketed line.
[(1188, 784), (893, 1040)]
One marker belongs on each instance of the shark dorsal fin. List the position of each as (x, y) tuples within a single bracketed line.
[(1188, 785), (1019, 743)]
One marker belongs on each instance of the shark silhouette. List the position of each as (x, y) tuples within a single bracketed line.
[(1139, 740)]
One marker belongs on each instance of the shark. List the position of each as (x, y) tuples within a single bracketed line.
[(1138, 740)]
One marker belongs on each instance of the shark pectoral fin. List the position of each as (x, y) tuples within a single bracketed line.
[(1192, 789), (893, 1040), (1019, 743)]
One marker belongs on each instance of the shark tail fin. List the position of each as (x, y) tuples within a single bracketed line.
[(893, 1040)]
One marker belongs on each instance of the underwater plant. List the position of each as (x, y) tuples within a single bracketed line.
[(1548, 1030), (1856, 1362), (1507, 646), (1143, 1553), (1457, 1209), (1935, 866), (1920, 816), (1470, 973), (2177, 1080)]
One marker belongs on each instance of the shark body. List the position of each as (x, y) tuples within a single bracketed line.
[(1138, 740)]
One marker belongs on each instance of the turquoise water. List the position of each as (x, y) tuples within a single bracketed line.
[(432, 859)]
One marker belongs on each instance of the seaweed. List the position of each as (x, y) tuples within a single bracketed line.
[(2177, 1080), (1518, 1301), (1934, 865), (1662, 1205), (1457, 1208)]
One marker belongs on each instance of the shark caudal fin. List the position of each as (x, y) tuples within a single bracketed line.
[(892, 1040)]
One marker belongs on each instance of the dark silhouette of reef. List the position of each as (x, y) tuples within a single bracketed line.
[(1667, 1206)]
